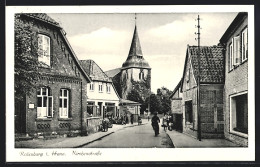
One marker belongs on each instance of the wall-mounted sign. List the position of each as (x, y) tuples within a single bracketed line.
[(31, 105)]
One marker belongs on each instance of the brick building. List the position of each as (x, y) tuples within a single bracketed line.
[(103, 98), (235, 40), (57, 106), (135, 73), (211, 92), (176, 111)]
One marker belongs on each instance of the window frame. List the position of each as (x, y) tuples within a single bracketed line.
[(231, 55), (231, 119), (49, 103), (62, 107), (244, 58), (108, 86), (100, 87), (43, 36), (236, 50), (91, 87)]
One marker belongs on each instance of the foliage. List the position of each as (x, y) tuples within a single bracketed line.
[(155, 104), (164, 94), (26, 59), (135, 96)]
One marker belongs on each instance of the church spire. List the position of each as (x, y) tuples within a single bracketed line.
[(135, 56)]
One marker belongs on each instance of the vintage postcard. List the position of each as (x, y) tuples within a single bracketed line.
[(130, 83)]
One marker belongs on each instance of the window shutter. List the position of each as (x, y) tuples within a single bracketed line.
[(236, 50)]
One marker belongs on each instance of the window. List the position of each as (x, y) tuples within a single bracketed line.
[(44, 103), (231, 63), (188, 75), (141, 74), (91, 86), (108, 87), (100, 87), (44, 49), (64, 103), (244, 45), (188, 112), (239, 113), (90, 108), (236, 50)]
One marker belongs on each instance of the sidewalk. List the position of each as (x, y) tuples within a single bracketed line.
[(181, 140), (71, 142)]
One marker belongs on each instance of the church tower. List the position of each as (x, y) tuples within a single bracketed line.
[(135, 71)]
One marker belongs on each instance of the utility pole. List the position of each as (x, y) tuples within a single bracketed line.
[(198, 80)]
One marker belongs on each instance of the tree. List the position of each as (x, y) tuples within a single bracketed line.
[(133, 95), (155, 104), (163, 94), (26, 58)]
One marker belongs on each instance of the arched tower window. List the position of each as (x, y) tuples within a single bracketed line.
[(141, 74)]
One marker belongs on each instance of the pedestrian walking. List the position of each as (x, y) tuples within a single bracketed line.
[(132, 118), (165, 123), (155, 124), (139, 120)]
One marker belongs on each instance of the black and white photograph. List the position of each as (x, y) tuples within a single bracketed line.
[(136, 83)]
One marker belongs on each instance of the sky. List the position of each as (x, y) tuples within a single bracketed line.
[(106, 39)]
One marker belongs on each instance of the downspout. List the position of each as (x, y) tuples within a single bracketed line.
[(81, 120)]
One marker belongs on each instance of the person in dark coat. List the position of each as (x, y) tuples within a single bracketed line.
[(132, 118), (155, 124)]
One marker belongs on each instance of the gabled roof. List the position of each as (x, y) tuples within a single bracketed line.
[(43, 17), (176, 88), (233, 26), (112, 73), (47, 19), (211, 63), (94, 71), (135, 57)]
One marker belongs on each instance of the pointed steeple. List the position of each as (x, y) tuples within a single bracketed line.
[(135, 49), (135, 57)]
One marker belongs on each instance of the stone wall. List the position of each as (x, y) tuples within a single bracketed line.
[(130, 80)]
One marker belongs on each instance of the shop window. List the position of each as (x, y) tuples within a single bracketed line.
[(44, 103), (188, 112), (64, 103), (90, 108), (44, 50), (244, 45), (239, 113)]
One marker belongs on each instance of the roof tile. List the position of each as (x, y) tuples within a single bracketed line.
[(211, 63)]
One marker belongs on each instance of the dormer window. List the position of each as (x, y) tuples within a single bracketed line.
[(44, 49)]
